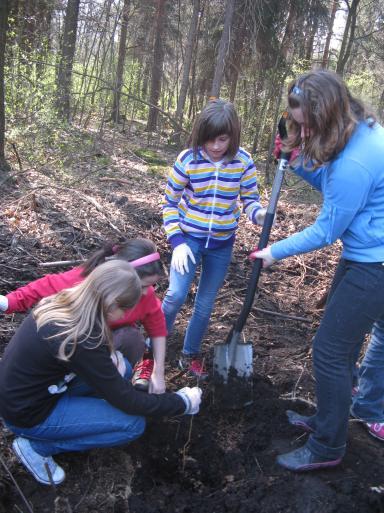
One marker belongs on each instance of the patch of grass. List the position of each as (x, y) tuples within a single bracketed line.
[(159, 170), (150, 156)]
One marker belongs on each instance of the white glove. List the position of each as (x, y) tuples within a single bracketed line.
[(180, 258), (260, 217), (3, 303), (119, 362), (265, 254), (192, 399)]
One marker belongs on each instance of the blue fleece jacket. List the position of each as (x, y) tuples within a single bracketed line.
[(352, 185)]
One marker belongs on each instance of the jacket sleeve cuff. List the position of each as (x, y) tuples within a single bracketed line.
[(176, 240)]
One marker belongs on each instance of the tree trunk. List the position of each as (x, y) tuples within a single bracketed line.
[(223, 49), (348, 37), (64, 74), (335, 5), (115, 114), (4, 6), (239, 33), (187, 61), (157, 66)]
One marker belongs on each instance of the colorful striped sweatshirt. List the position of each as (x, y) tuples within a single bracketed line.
[(202, 197)]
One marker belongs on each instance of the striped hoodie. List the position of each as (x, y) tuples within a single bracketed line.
[(202, 197)]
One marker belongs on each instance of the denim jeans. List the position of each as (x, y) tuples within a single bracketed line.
[(81, 421), (368, 404), (214, 266), (355, 302)]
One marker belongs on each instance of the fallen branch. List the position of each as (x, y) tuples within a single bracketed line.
[(285, 316), (118, 180), (61, 262)]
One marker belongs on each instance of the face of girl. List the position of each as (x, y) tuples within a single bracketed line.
[(148, 281), (217, 147), (298, 115)]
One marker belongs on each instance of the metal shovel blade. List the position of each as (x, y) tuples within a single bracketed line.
[(232, 373)]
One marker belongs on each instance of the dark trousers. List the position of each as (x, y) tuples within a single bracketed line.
[(355, 302)]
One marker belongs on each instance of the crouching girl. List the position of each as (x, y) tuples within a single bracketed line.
[(63, 387)]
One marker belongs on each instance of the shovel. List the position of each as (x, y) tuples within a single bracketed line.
[(232, 361)]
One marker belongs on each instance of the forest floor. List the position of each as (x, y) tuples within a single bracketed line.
[(96, 188)]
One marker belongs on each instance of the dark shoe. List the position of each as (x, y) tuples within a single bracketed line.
[(43, 468), (193, 366), (302, 459), (142, 374), (300, 421)]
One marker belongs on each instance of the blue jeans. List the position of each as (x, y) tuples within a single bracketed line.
[(356, 301), (214, 266), (368, 404), (81, 421)]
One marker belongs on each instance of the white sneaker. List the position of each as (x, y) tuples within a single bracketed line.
[(37, 464)]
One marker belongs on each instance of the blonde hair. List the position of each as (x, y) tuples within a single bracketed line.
[(82, 310), (330, 112)]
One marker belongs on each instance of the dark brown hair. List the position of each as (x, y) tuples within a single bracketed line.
[(128, 250), (218, 117), (330, 112)]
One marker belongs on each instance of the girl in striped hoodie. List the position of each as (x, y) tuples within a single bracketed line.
[(200, 213)]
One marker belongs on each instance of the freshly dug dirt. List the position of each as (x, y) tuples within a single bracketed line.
[(222, 460)]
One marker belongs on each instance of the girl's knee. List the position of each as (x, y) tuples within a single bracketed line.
[(137, 427)]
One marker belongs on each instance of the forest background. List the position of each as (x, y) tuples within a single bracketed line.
[(154, 63), (96, 99)]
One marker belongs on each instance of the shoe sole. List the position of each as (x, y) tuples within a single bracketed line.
[(23, 461), (374, 435), (300, 424), (312, 466)]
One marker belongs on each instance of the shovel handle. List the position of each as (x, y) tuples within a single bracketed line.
[(264, 238)]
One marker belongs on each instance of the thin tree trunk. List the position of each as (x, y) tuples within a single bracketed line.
[(239, 31), (157, 67), (185, 81), (223, 49), (348, 37), (115, 114), (4, 9), (64, 75), (335, 5)]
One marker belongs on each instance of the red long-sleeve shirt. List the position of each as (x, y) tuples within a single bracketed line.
[(147, 311)]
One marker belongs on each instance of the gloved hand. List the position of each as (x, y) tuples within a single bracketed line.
[(265, 254), (260, 217), (119, 362), (180, 258), (3, 303), (192, 399)]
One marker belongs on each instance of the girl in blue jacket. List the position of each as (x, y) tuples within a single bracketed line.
[(342, 157)]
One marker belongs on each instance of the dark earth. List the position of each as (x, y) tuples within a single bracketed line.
[(221, 460)]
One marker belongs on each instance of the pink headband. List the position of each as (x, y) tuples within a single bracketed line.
[(145, 259)]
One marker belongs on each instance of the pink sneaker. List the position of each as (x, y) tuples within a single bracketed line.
[(193, 365), (376, 429)]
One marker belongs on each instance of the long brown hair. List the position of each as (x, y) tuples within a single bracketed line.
[(81, 312), (218, 117), (128, 250), (330, 113)]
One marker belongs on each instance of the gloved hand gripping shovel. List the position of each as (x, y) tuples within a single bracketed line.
[(232, 362)]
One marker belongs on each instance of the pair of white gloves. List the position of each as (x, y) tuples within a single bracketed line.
[(183, 252)]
